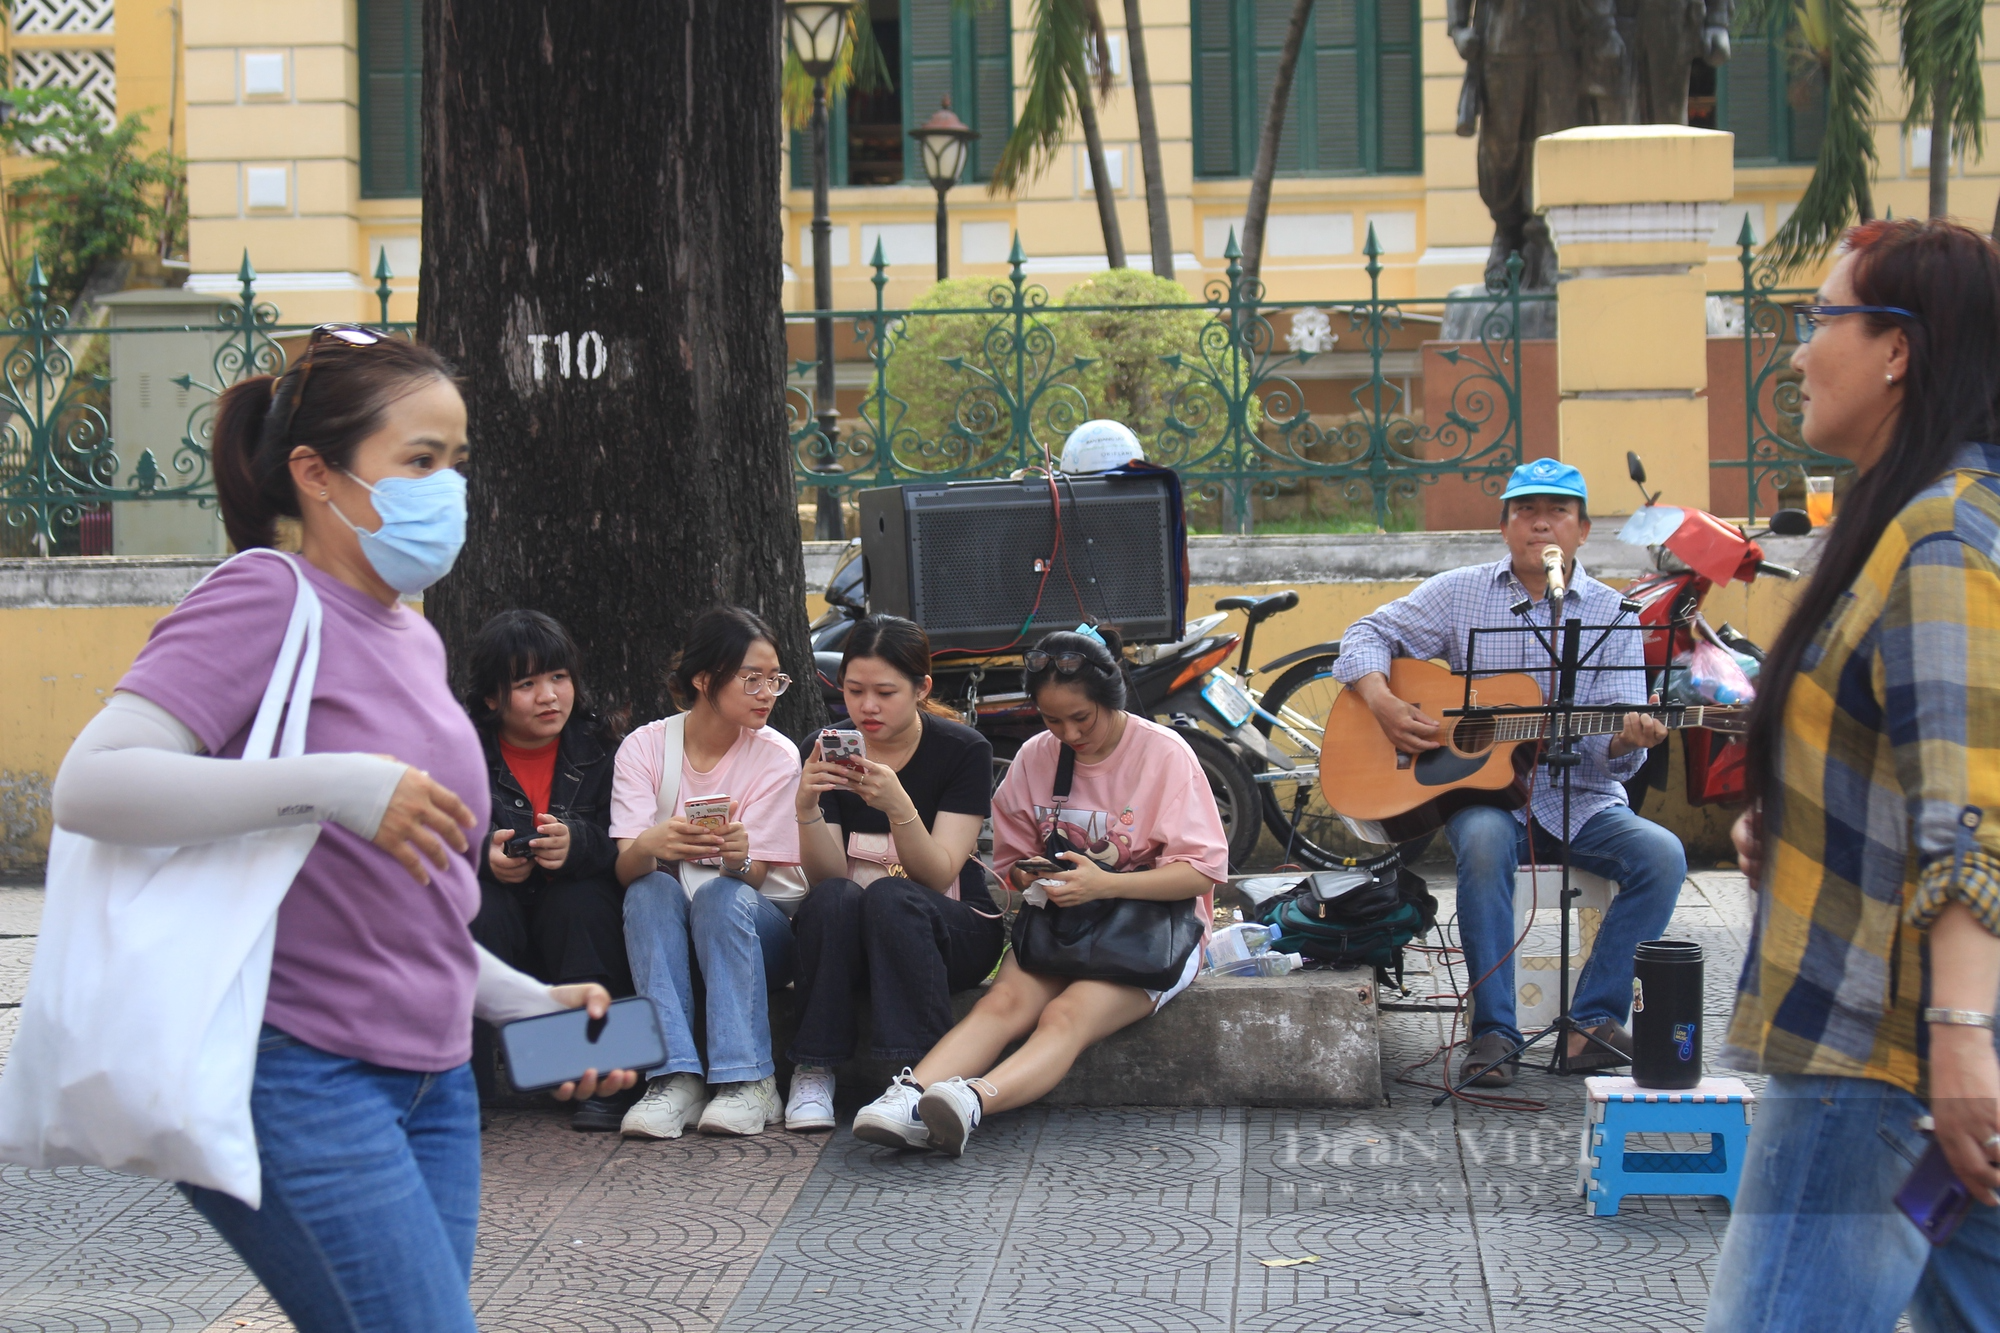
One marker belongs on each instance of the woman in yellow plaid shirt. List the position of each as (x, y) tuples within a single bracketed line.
[(1874, 969)]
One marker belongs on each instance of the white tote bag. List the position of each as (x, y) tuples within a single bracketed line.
[(783, 885), (138, 1036)]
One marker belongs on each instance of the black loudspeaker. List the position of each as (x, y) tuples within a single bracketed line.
[(965, 559)]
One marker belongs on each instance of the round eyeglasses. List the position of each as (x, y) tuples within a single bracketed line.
[(756, 682)]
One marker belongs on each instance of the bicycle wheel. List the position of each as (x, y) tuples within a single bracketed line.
[(1295, 810)]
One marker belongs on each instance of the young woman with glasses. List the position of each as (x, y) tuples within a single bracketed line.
[(899, 910), (366, 1117), (1141, 810), (707, 897)]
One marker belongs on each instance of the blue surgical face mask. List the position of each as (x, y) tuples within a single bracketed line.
[(423, 527)]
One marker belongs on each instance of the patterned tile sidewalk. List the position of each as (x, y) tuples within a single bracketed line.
[(1128, 1219)]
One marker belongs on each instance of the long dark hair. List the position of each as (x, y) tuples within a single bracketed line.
[(515, 644), (716, 645), (902, 644), (1102, 675), (1948, 276), (330, 400)]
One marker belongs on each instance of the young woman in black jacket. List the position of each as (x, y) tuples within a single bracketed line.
[(557, 911)]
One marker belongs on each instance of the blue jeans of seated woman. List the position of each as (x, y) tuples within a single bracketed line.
[(371, 1192), (1815, 1240), (743, 944)]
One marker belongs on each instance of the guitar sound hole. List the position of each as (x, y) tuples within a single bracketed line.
[(1473, 735)]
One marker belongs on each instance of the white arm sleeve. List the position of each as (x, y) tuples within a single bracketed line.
[(505, 994), (136, 776)]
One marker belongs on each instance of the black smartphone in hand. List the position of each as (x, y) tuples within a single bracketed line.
[(550, 1050), (519, 848)]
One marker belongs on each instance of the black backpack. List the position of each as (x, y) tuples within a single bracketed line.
[(1359, 917)]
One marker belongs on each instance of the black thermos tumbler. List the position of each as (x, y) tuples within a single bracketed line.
[(1666, 1014)]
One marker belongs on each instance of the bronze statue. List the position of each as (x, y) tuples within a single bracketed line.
[(1533, 67)]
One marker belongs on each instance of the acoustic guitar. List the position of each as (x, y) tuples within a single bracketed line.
[(1386, 796)]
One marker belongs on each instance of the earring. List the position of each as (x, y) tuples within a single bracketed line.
[(1891, 379), (322, 495)]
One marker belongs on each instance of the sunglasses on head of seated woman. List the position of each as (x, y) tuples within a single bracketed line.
[(1066, 664)]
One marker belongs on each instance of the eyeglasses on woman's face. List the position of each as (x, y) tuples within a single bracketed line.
[(1808, 319), (756, 682)]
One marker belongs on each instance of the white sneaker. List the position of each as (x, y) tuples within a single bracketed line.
[(743, 1108), (891, 1120), (671, 1101), (810, 1105), (950, 1109)]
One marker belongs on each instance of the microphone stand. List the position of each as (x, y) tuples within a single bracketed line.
[(1561, 757)]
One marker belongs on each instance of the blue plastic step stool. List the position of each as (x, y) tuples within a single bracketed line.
[(1717, 1107)]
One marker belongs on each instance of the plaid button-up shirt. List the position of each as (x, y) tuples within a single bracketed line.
[(1431, 622), (1888, 796)]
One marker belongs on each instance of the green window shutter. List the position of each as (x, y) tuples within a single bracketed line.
[(836, 148), (927, 71), (391, 85), (1272, 16), (1743, 98), (1338, 78), (990, 106), (1398, 88), (1214, 91)]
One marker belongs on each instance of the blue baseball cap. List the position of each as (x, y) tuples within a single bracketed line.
[(1545, 476)]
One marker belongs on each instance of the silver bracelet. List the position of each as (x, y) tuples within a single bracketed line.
[(1959, 1018), (808, 823)]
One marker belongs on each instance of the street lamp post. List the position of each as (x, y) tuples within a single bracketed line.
[(942, 144), (816, 30)]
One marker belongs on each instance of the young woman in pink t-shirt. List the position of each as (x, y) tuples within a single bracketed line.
[(711, 892), (1141, 808)]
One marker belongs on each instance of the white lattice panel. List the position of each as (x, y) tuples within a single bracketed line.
[(91, 73), (31, 16)]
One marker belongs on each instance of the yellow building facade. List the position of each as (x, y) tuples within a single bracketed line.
[(298, 121)]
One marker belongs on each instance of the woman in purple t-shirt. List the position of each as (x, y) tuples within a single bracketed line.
[(366, 1118)]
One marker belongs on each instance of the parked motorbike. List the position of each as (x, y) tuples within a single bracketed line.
[(1184, 684), (1693, 553)]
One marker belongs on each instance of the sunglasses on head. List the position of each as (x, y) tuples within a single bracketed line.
[(354, 335), (1066, 664)]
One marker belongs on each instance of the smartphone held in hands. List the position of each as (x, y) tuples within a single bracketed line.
[(550, 1050), (1934, 1197), (840, 747), (710, 812)]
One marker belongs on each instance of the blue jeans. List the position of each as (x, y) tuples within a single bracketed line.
[(371, 1192), (1816, 1241), (743, 944), (1647, 862)]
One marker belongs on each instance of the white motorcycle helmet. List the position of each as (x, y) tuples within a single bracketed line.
[(1099, 446)]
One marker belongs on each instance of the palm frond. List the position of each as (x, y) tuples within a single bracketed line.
[(1836, 36), (1056, 67), (1941, 43), (861, 65)]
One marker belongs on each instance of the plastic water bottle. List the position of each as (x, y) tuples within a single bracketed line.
[(1233, 946), (1276, 964)]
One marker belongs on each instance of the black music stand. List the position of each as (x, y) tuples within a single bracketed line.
[(1561, 757)]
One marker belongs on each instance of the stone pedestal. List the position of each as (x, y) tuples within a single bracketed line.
[(1632, 208)]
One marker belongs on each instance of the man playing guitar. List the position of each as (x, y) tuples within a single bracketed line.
[(1545, 504)]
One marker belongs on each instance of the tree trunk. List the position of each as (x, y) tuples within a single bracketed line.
[(1941, 145), (1107, 202), (1267, 142), (602, 258), (1864, 200), (1159, 228)]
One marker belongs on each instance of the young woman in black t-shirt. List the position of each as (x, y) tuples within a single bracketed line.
[(899, 906)]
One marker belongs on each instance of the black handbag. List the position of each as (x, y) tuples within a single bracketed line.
[(1132, 941)]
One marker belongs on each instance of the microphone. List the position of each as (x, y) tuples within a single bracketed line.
[(1552, 566)]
